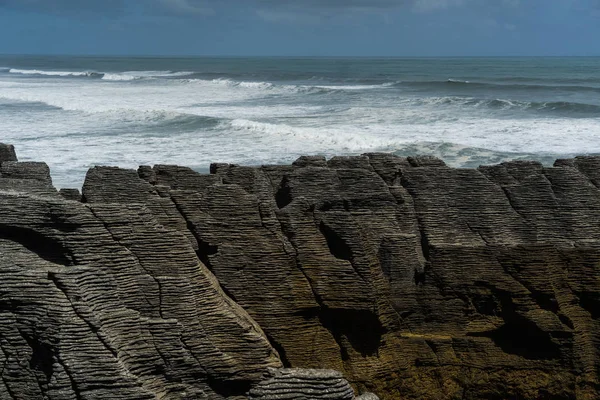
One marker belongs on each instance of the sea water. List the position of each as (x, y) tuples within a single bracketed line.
[(77, 112)]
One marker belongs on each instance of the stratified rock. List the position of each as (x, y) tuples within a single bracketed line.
[(26, 170), (100, 301), (368, 396), (303, 384), (414, 279), (340, 162), (115, 185), (310, 161), (27, 177), (7, 153), (182, 178), (70, 194), (425, 161)]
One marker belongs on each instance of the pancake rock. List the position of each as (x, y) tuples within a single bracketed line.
[(303, 384), (99, 301), (413, 279)]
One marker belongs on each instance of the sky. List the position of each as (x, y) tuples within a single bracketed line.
[(301, 27)]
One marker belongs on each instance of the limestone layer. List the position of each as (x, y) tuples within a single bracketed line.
[(413, 279)]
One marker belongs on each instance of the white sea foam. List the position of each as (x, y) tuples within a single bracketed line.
[(114, 76), (354, 87), (120, 77), (50, 73), (134, 75), (152, 122)]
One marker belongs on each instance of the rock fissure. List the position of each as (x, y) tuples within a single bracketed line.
[(94, 329)]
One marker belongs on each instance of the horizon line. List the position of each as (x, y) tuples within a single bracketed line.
[(285, 56)]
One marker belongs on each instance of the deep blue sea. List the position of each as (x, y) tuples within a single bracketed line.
[(76, 112)]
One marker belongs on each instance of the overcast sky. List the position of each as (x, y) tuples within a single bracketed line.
[(301, 27)]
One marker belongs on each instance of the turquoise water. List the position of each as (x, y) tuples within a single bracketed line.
[(75, 112)]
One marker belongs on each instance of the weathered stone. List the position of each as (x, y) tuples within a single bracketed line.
[(368, 396), (426, 161), (115, 185), (27, 177), (7, 153), (415, 280), (340, 162), (100, 301), (303, 384), (70, 194), (310, 161), (399, 271)]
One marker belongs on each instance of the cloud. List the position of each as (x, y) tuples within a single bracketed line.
[(187, 7), (433, 5), (112, 7), (335, 3), (313, 11), (66, 6), (207, 7)]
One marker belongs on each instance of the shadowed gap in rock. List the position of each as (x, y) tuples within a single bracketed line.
[(280, 350), (519, 335), (283, 197), (337, 245), (205, 250), (227, 388), (42, 355), (45, 247), (591, 303), (385, 256), (361, 328)]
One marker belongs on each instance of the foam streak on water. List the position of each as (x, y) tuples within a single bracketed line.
[(78, 112)]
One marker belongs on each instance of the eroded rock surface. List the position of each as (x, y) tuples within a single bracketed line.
[(99, 301), (415, 280), (300, 384), (7, 153)]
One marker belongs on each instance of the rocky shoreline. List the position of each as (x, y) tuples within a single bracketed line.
[(412, 279)]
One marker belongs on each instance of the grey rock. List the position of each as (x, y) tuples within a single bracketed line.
[(101, 301), (368, 396), (302, 384), (7, 153), (413, 279), (70, 194), (310, 161)]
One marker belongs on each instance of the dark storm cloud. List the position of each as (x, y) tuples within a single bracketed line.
[(208, 7), (336, 3), (65, 6), (115, 6)]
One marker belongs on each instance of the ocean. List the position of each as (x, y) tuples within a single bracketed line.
[(77, 112)]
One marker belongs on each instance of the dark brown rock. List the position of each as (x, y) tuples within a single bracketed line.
[(399, 271)]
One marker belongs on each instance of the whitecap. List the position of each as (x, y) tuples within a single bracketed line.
[(50, 73)]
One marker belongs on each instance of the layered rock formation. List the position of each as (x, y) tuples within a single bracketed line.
[(99, 301), (415, 280), (303, 384)]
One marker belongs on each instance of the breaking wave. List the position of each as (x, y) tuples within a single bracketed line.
[(470, 85), (54, 73), (570, 108), (113, 76)]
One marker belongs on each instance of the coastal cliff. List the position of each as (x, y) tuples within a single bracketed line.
[(412, 279)]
